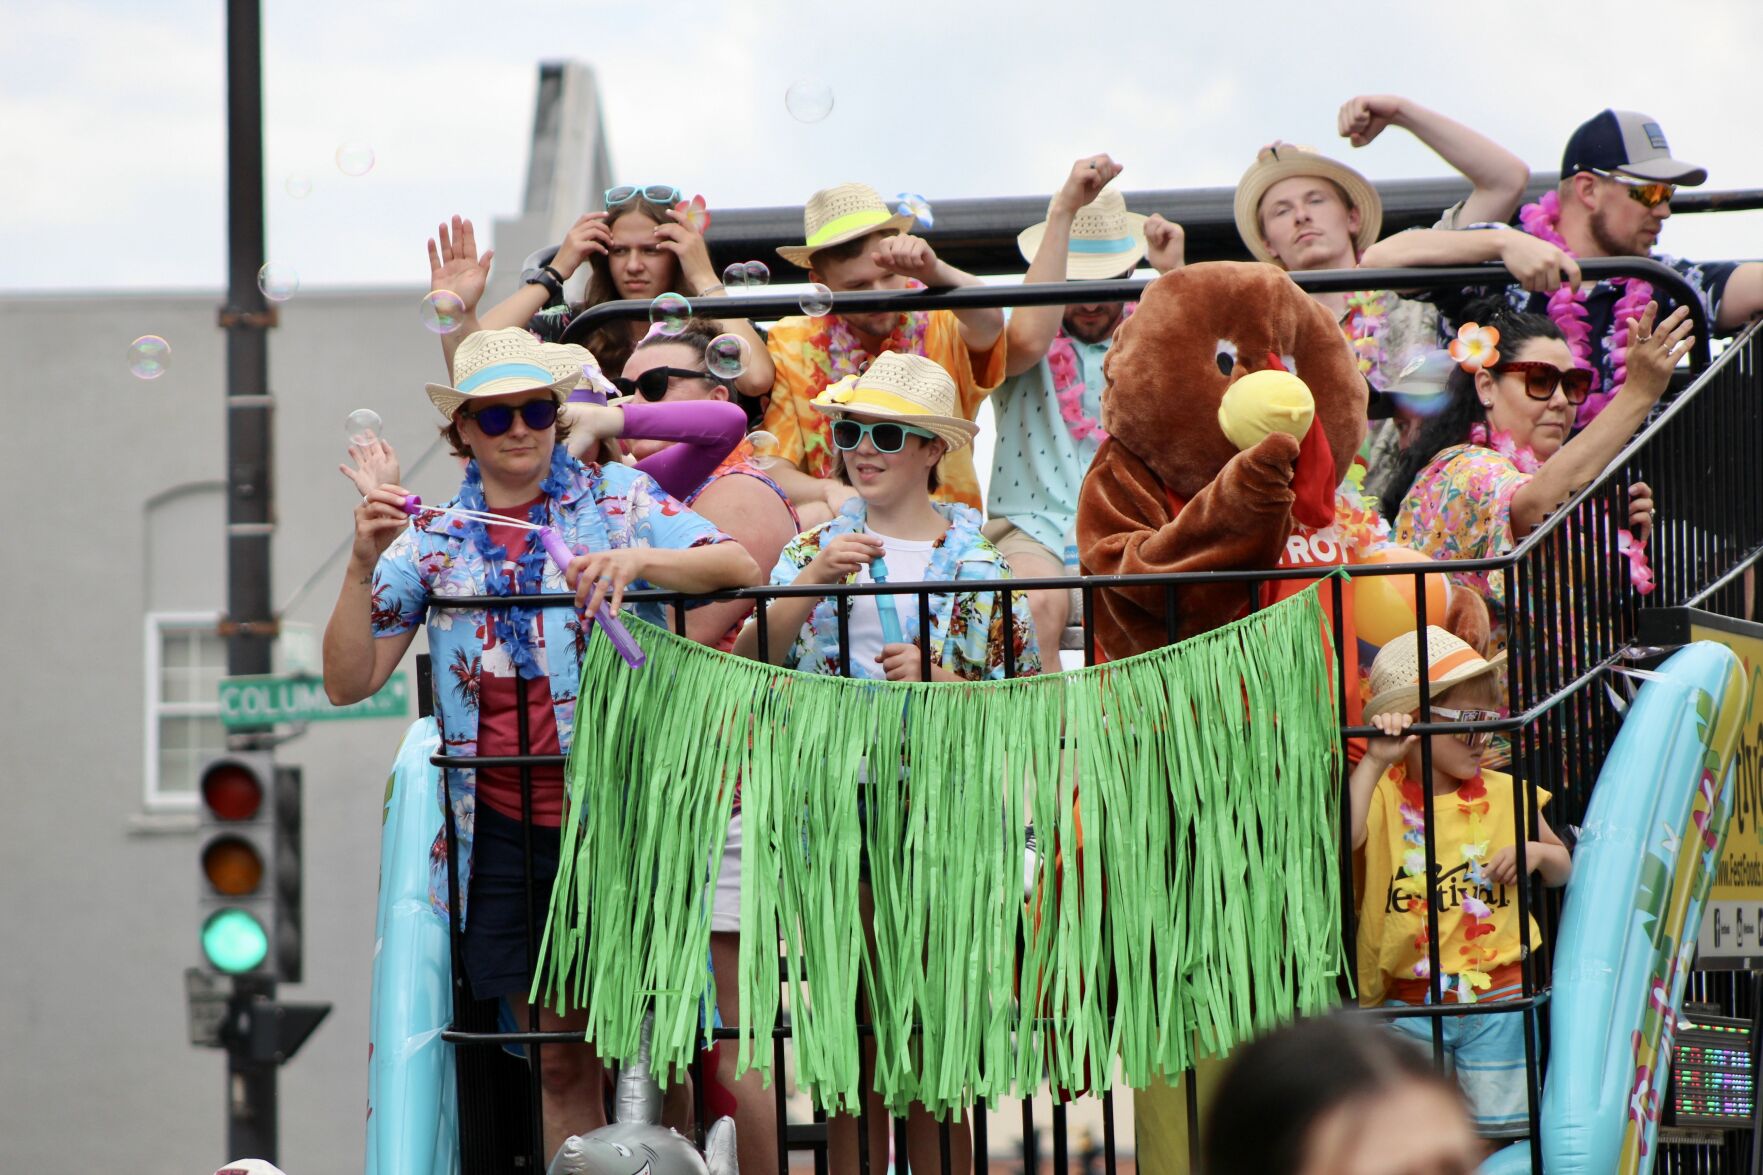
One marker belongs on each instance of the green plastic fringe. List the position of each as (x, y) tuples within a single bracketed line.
[(1200, 906)]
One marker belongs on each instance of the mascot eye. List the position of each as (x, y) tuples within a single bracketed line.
[(1291, 364), (1226, 357)]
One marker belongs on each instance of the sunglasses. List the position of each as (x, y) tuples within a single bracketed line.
[(1652, 193), (495, 419), (665, 195), (652, 384), (1541, 380), (1473, 738), (885, 435)]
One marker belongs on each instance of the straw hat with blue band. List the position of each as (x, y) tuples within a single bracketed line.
[(833, 216), (496, 363), (909, 389), (1106, 239)]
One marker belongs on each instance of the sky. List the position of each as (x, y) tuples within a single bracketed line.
[(112, 112)]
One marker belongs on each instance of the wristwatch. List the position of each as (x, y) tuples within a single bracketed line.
[(544, 275)]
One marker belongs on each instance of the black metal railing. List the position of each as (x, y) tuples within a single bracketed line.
[(1571, 618)]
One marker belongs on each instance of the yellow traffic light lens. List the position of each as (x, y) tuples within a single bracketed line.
[(234, 941), (232, 866), (232, 791)]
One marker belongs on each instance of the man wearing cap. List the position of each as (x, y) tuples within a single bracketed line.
[(493, 664), (1049, 407), (1617, 180), (854, 243)]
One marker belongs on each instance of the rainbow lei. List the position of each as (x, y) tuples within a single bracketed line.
[(1472, 802), (1567, 308), (1368, 311)]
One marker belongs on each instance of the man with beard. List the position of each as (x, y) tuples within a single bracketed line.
[(1048, 409), (1617, 180)]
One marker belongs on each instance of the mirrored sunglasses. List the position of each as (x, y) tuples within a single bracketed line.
[(1470, 738), (495, 419), (1652, 193), (1541, 380), (885, 435)]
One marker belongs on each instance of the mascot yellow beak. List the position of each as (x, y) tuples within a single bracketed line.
[(1266, 402)]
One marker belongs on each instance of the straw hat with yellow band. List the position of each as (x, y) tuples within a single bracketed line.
[(1282, 161), (1106, 239), (1395, 674), (908, 388), (833, 216)]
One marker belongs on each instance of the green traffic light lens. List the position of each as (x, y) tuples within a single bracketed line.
[(234, 941)]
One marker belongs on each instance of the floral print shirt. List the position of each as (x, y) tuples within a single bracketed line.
[(967, 628), (610, 507)]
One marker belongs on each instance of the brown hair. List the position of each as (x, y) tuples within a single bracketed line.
[(931, 480), (455, 442), (845, 250), (611, 343)]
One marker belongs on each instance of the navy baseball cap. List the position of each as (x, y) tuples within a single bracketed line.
[(1630, 144)]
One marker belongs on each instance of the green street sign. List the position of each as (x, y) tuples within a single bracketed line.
[(267, 699)]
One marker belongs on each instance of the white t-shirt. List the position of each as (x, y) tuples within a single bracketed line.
[(907, 562)]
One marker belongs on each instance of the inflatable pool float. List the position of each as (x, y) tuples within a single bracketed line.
[(1641, 872), (412, 1111)]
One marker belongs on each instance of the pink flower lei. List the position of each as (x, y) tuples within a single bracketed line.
[(1567, 308), (1069, 387)]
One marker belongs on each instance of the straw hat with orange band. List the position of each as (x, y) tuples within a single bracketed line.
[(1395, 675)]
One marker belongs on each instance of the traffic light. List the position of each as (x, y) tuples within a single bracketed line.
[(250, 863)]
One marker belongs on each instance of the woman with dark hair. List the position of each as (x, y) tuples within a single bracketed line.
[(1336, 1095), (1501, 455)]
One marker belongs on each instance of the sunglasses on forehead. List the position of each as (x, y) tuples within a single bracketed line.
[(653, 384), (885, 435), (495, 419), (1541, 380), (1652, 193), (665, 195)]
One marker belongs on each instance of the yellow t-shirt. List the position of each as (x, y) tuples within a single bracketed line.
[(811, 353), (1478, 922)]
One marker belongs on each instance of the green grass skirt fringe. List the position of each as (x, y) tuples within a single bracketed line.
[(1201, 907)]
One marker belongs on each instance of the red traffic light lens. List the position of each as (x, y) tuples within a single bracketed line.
[(232, 866), (232, 792)]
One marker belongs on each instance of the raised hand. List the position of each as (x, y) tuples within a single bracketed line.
[(909, 257), (376, 464), (1088, 177), (588, 235), (1653, 351), (454, 263), (1363, 118), (1165, 243), (687, 245)]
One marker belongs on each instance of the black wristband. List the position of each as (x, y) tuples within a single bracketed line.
[(547, 277), (547, 269)]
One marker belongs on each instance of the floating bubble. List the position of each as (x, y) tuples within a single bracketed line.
[(726, 356), (443, 311), (816, 300), (149, 356), (278, 282), (757, 273), (297, 186), (765, 449), (363, 426), (808, 100), (735, 276), (355, 159), (670, 312), (917, 207)]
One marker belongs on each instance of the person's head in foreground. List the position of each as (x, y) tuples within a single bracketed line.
[(1301, 210), (1337, 1095), (1107, 241), (1617, 180), (843, 227), (502, 410), (1464, 687), (891, 425)]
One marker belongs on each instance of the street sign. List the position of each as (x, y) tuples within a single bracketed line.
[(265, 699), (207, 995)]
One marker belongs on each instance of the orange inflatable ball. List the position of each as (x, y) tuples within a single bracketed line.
[(1383, 605)]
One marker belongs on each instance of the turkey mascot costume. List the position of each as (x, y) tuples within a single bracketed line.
[(1234, 408)]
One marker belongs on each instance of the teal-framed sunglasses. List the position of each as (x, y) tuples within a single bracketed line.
[(886, 435), (666, 195)]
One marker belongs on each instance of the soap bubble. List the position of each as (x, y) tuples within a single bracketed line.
[(765, 449), (816, 300), (297, 186), (149, 356), (355, 159), (278, 282), (363, 426), (735, 276), (757, 273), (726, 356), (917, 207), (443, 311), (670, 312), (808, 100)]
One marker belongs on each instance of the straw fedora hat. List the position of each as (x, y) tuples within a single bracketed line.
[(1395, 674), (495, 363), (572, 360), (1282, 161), (1106, 239), (833, 216), (908, 388)]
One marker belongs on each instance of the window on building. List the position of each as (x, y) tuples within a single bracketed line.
[(185, 662)]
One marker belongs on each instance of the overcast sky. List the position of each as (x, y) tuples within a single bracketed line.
[(112, 111)]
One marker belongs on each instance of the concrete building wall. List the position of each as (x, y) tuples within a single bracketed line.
[(115, 511)]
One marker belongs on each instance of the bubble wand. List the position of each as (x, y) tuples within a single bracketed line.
[(888, 608)]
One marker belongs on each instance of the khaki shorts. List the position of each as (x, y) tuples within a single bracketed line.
[(1011, 541)]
